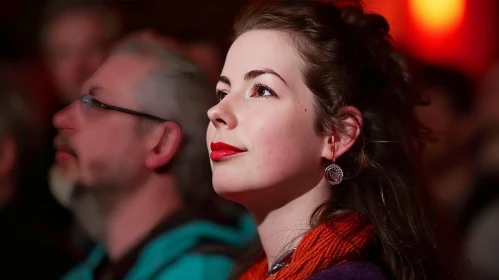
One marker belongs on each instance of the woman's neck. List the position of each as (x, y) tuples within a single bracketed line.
[(282, 229)]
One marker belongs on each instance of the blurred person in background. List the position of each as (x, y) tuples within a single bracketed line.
[(206, 54), (480, 216), (75, 35), (136, 137), (447, 155), (29, 250)]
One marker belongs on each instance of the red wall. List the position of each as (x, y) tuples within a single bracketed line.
[(470, 46)]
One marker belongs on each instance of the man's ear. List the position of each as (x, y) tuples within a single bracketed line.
[(164, 142), (339, 142), (7, 155)]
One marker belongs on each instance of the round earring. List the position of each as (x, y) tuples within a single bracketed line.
[(334, 174)]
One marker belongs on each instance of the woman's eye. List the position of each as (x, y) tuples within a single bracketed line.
[(260, 90), (220, 95)]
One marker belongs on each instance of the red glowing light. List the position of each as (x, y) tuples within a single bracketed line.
[(437, 16)]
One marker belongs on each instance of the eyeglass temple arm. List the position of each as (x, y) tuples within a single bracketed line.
[(127, 111)]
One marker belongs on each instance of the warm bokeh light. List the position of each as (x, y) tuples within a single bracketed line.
[(437, 16)]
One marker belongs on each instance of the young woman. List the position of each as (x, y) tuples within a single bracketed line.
[(314, 135)]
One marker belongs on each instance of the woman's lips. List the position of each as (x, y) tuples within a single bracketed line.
[(220, 150)]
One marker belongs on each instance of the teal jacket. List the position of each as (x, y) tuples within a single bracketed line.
[(172, 255)]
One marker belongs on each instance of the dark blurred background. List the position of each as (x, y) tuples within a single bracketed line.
[(183, 19), (456, 32)]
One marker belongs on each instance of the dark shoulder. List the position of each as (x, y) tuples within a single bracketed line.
[(351, 271)]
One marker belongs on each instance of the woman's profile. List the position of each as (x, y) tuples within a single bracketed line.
[(314, 135)]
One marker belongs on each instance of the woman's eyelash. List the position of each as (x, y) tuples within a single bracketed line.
[(257, 90), (220, 95), (261, 90)]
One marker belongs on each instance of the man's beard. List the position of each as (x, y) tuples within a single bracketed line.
[(86, 210), (79, 200), (109, 184), (105, 191)]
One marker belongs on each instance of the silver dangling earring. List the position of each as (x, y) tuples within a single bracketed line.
[(333, 173)]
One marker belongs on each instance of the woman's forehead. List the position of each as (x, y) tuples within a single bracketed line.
[(262, 49)]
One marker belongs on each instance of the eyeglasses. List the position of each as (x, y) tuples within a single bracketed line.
[(88, 102)]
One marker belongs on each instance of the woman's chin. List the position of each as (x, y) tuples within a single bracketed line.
[(244, 196), (227, 192), (232, 194)]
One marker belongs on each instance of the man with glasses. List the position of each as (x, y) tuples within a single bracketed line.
[(136, 136)]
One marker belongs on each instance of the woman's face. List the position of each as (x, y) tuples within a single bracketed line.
[(265, 113)]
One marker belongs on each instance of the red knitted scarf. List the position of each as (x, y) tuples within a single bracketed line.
[(331, 243)]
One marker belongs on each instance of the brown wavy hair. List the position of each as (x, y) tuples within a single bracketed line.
[(349, 60)]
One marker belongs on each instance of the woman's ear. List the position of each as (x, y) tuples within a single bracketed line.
[(339, 142)]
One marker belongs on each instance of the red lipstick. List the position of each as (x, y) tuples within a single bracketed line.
[(222, 150)]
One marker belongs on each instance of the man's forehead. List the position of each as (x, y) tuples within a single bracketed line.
[(120, 72)]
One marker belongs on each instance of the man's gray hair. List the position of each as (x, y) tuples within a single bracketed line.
[(179, 91)]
